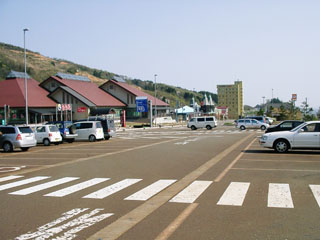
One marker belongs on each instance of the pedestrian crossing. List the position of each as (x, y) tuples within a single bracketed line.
[(278, 194)]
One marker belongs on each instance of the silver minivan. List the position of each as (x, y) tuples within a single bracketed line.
[(207, 122), (12, 137), (89, 130)]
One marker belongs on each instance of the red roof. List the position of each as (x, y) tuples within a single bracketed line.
[(139, 93), (91, 92), (12, 93)]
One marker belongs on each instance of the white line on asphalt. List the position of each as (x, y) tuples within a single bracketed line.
[(77, 187), (105, 192), (192, 192), (43, 186), (9, 178), (279, 196), (316, 192), (22, 182), (151, 190), (235, 194)]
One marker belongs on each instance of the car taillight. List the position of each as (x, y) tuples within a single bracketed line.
[(108, 129), (50, 134), (19, 137)]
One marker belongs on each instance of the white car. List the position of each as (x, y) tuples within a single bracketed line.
[(251, 123), (48, 134), (207, 122), (305, 136), (89, 130)]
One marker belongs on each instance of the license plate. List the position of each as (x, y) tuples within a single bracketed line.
[(57, 139)]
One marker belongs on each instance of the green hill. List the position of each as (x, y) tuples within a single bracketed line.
[(40, 68)]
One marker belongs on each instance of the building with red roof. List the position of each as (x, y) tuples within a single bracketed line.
[(12, 93), (80, 93), (121, 90)]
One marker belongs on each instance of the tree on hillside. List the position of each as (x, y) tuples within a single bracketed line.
[(307, 111)]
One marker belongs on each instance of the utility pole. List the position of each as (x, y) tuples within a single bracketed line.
[(155, 100)]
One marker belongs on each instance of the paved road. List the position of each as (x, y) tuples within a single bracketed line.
[(164, 183)]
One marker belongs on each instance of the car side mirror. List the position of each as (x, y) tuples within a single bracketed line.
[(301, 130)]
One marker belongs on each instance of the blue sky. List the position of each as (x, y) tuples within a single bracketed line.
[(272, 44)]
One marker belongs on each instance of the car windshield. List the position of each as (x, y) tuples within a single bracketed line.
[(25, 130), (53, 129), (298, 127)]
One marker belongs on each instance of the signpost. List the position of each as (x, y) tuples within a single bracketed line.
[(142, 104)]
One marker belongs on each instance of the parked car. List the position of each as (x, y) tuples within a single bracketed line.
[(108, 126), (304, 136), (251, 123), (258, 118), (66, 130), (16, 137), (285, 126), (48, 134), (269, 120), (89, 130)]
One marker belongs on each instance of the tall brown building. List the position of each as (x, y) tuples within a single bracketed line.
[(231, 96)]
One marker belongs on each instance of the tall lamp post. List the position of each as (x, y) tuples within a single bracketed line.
[(25, 73), (155, 100)]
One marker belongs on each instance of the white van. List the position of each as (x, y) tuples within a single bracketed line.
[(207, 122), (89, 130)]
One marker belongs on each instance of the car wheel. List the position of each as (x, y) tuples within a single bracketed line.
[(242, 127), (7, 147), (92, 138), (107, 138), (281, 146), (24, 149), (193, 128), (263, 127), (46, 142), (208, 127)]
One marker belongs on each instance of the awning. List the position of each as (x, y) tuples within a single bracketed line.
[(43, 111)]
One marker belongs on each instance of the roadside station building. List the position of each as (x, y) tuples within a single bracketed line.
[(127, 94), (12, 93), (81, 94)]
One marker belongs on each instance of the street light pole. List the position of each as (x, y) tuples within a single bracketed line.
[(155, 100), (25, 73)]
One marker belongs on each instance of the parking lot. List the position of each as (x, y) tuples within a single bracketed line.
[(241, 188)]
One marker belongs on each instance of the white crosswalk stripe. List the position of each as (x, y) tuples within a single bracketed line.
[(76, 188), (235, 194), (105, 192), (43, 186), (192, 192), (151, 190), (279, 196), (316, 192), (3, 179), (22, 182)]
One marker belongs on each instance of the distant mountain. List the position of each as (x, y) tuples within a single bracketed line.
[(40, 68)]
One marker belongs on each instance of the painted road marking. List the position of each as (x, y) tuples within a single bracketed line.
[(151, 190), (51, 229), (105, 192), (43, 186), (279, 196), (235, 194), (9, 178), (22, 182), (192, 192), (77, 187), (316, 192)]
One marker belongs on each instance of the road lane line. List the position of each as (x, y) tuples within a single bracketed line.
[(227, 169), (165, 234), (105, 192), (129, 220), (22, 182), (192, 192), (43, 186), (235, 194), (75, 188), (9, 178), (151, 190), (279, 196), (277, 169), (316, 192)]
